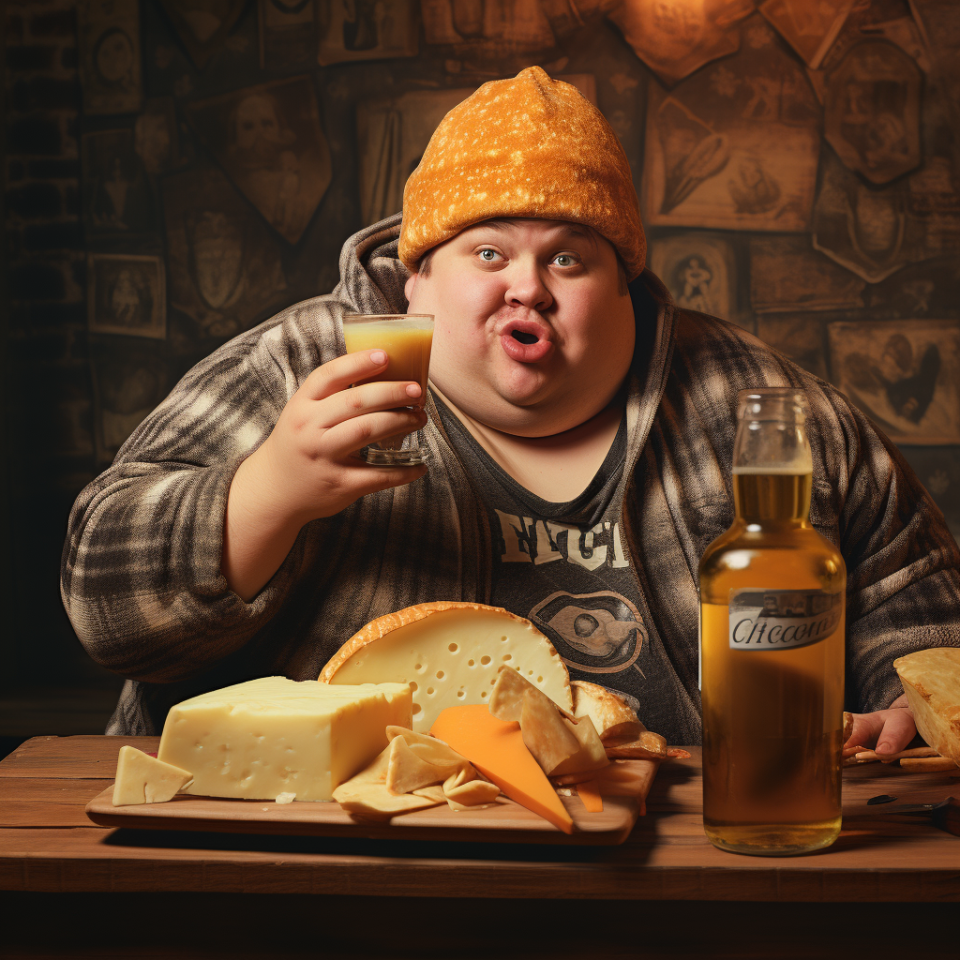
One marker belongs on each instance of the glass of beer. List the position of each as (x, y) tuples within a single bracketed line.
[(406, 339)]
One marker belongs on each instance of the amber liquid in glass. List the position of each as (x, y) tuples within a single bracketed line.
[(407, 342), (772, 718)]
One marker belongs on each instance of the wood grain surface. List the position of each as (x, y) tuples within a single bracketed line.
[(47, 843)]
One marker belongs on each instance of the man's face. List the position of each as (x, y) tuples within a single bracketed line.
[(534, 329), (256, 123)]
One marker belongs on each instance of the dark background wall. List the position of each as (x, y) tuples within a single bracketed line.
[(175, 172)]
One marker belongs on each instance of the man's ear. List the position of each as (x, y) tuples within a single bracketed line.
[(411, 285)]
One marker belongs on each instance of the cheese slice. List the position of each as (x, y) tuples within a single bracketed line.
[(260, 739), (495, 747), (931, 681), (611, 715), (449, 653), (145, 779)]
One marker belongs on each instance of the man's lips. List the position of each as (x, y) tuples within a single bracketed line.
[(526, 341)]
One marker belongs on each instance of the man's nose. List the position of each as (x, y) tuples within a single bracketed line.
[(527, 286)]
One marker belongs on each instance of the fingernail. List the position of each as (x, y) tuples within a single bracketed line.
[(378, 356), (413, 390)]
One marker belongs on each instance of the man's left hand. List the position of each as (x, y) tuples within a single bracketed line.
[(891, 729)]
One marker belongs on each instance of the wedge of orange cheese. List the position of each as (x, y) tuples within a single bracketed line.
[(450, 654), (495, 747)]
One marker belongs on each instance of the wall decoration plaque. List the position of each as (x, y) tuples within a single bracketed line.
[(118, 199), (352, 30), (903, 375), (872, 111), (126, 294), (810, 28), (699, 271), (675, 39), (288, 33), (487, 32), (202, 25), (108, 42), (223, 263), (787, 274), (902, 31), (872, 231), (269, 141), (736, 146)]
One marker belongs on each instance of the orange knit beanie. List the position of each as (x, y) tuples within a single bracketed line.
[(527, 147)]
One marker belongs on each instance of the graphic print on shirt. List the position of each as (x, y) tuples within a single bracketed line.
[(599, 632), (541, 541)]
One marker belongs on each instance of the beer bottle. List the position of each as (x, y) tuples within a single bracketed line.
[(772, 603)]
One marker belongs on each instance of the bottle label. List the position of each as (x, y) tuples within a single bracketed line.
[(782, 619)]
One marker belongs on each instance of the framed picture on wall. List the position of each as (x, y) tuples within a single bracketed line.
[(367, 30), (699, 270), (108, 47), (126, 294), (224, 263), (118, 199), (270, 143), (902, 374), (736, 145)]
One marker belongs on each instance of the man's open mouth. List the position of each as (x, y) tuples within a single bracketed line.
[(526, 341)]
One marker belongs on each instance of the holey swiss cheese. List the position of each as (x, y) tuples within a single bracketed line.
[(450, 654)]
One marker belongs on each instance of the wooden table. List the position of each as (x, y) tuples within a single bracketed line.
[(890, 880)]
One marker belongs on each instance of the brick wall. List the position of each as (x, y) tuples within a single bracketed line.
[(47, 383)]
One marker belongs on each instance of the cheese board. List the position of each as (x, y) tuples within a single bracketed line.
[(503, 821)]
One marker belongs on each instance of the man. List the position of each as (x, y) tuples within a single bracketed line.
[(580, 432)]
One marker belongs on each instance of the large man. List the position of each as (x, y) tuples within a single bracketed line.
[(580, 433)]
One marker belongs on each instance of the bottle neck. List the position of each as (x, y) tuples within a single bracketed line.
[(772, 498)]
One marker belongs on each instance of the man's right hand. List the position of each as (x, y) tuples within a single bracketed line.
[(306, 468)]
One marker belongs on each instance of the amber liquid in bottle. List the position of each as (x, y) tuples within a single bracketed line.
[(772, 659)]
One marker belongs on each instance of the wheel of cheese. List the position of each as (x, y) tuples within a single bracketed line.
[(450, 654)]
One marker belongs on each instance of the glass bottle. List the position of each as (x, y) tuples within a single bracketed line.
[(772, 608)]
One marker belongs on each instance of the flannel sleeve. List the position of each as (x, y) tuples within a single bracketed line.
[(140, 572), (903, 565)]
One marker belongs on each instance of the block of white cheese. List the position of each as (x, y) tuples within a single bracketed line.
[(931, 681), (273, 736), (450, 654), (145, 779)]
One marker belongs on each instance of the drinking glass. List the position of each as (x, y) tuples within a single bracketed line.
[(406, 339)]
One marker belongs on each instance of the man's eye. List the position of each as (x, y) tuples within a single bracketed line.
[(488, 256), (564, 260)]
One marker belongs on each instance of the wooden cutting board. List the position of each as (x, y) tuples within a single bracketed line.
[(503, 821)]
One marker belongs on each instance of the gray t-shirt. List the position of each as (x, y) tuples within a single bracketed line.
[(564, 566)]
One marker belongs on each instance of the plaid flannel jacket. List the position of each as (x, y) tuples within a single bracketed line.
[(141, 576)]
